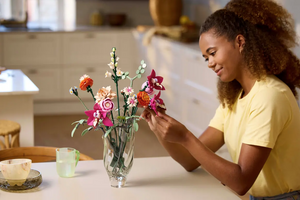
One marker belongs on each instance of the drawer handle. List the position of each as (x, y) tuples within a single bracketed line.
[(31, 37), (32, 71), (90, 70), (196, 101), (90, 35)]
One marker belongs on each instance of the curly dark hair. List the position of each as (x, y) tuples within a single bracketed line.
[(269, 34)]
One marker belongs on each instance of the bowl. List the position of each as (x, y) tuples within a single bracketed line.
[(15, 171), (116, 19), (33, 180)]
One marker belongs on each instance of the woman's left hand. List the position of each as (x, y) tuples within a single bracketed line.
[(168, 128)]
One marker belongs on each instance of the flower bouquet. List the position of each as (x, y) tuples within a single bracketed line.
[(117, 123)]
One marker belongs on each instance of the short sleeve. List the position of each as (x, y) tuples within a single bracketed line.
[(217, 121), (270, 112)]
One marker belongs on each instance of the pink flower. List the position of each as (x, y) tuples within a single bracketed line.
[(156, 101), (148, 89), (96, 115), (155, 81), (132, 101), (128, 90), (106, 105)]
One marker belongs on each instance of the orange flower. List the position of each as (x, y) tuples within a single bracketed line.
[(85, 81), (143, 98)]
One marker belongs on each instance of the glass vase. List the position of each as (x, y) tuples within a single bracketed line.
[(118, 154)]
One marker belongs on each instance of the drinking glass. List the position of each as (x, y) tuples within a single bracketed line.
[(66, 161)]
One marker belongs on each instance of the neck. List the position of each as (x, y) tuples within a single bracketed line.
[(247, 82)]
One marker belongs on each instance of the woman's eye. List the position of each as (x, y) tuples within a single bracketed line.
[(206, 59), (213, 53)]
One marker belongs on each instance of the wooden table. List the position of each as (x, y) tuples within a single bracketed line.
[(158, 178)]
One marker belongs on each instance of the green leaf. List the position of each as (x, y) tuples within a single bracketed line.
[(85, 131), (126, 73), (140, 67), (137, 71), (123, 77), (135, 126), (142, 71), (142, 62), (139, 75), (74, 129)]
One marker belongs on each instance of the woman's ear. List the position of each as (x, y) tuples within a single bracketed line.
[(240, 42)]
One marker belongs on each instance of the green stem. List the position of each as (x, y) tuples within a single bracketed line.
[(82, 102), (89, 89)]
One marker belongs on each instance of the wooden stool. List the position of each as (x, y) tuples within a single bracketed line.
[(10, 128)]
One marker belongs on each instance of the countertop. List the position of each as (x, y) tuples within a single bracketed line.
[(54, 27), (158, 178), (15, 82)]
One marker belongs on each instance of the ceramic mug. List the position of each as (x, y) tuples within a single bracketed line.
[(15, 171), (66, 161)]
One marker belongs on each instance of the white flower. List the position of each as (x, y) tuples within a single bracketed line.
[(128, 90), (116, 64), (107, 74), (71, 90), (119, 72), (112, 59), (111, 54), (117, 59), (83, 77), (111, 65), (144, 65), (131, 101)]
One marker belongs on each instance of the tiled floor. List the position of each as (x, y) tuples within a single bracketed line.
[(56, 130)]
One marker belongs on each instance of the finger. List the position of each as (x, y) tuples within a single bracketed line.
[(164, 116)]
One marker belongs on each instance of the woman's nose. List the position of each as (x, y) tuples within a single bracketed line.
[(211, 64)]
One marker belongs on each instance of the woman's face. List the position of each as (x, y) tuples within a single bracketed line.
[(223, 57)]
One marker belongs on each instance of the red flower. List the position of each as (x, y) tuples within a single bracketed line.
[(155, 81), (85, 81), (143, 98)]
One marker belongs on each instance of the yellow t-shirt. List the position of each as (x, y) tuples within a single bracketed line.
[(268, 116)]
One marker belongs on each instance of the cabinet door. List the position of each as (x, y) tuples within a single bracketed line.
[(198, 77), (31, 49), (197, 112), (88, 47), (71, 76), (48, 80)]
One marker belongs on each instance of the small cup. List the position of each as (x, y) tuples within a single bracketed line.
[(15, 171), (66, 161)]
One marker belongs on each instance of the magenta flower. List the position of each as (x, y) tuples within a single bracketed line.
[(106, 105), (155, 81), (156, 101), (149, 90), (97, 114)]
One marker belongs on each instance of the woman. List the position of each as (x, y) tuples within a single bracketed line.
[(247, 45)]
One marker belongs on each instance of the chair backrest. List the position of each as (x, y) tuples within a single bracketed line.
[(36, 154)]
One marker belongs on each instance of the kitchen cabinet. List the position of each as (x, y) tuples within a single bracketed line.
[(88, 47), (55, 61), (31, 49), (72, 73), (1, 50)]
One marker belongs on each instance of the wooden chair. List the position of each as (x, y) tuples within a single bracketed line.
[(9, 129), (36, 154)]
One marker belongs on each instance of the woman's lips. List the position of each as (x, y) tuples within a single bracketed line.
[(218, 72)]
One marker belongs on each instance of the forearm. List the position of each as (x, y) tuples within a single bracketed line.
[(228, 173), (179, 154)]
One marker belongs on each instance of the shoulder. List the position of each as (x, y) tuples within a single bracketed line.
[(272, 93)]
